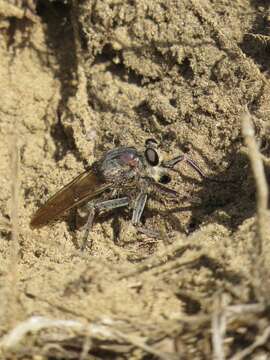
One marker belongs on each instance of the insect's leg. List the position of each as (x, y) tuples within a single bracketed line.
[(137, 214), (171, 163), (89, 224), (138, 208), (96, 207), (112, 204)]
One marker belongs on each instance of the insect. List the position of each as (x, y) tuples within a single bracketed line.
[(124, 176)]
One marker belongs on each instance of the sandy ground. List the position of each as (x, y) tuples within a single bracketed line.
[(79, 78)]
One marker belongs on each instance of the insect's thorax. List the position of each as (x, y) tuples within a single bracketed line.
[(123, 165)]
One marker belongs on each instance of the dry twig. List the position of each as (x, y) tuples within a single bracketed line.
[(260, 181), (218, 329)]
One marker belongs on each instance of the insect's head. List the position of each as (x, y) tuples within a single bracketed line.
[(153, 159)]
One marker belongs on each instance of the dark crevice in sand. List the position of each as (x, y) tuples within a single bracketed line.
[(60, 40)]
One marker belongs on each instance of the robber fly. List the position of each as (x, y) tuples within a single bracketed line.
[(124, 176)]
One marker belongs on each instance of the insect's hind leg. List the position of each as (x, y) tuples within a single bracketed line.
[(94, 208)]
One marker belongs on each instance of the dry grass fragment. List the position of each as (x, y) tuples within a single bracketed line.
[(260, 341), (223, 317), (260, 251), (104, 330), (218, 329)]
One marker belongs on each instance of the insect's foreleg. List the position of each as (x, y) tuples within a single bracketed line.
[(171, 163), (94, 208)]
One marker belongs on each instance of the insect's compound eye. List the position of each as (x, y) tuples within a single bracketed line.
[(151, 157), (151, 143), (165, 179)]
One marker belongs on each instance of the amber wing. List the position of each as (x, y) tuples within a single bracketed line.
[(83, 188)]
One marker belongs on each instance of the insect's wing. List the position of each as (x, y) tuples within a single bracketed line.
[(83, 188)]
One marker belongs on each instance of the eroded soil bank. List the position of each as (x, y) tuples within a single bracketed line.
[(81, 77)]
